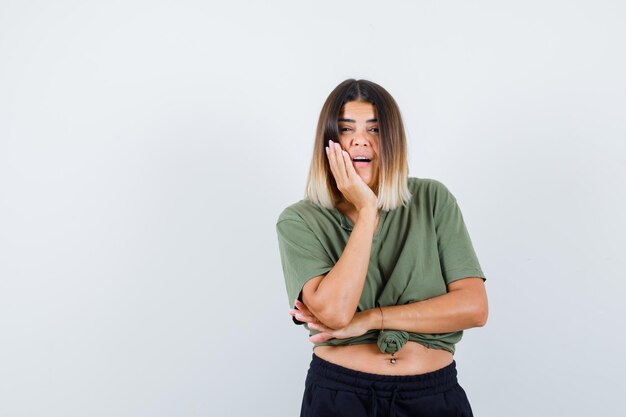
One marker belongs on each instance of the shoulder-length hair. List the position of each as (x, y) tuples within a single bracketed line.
[(393, 190)]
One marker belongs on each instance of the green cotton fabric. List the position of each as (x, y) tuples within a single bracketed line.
[(391, 341), (417, 250)]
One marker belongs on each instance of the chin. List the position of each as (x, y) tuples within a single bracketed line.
[(371, 183), (366, 179)]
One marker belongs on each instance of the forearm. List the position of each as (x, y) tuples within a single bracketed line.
[(450, 312), (340, 290)]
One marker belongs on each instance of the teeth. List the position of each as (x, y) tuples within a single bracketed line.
[(360, 158)]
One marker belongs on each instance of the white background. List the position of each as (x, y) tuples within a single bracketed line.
[(147, 148)]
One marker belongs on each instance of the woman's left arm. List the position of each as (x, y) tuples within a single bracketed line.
[(464, 306)]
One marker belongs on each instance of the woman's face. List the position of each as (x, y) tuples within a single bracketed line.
[(358, 135)]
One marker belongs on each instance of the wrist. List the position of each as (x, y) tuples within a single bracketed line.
[(374, 318), (371, 211), (369, 215)]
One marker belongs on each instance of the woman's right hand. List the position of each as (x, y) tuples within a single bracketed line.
[(349, 182)]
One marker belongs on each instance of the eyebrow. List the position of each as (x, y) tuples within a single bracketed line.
[(354, 121)]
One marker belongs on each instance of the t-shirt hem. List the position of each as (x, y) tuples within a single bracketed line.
[(456, 275), (429, 345)]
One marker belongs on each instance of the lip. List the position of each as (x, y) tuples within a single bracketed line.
[(360, 164), (361, 155)]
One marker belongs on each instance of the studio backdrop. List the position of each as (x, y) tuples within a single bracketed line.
[(148, 147)]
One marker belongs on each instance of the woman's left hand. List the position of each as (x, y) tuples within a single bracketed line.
[(358, 326)]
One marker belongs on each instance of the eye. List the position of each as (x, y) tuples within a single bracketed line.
[(344, 129), (374, 129)]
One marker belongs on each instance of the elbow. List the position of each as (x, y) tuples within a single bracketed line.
[(335, 319), (329, 314), (480, 310), (344, 320), (480, 316), (332, 315)]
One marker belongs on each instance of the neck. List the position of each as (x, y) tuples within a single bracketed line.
[(345, 205)]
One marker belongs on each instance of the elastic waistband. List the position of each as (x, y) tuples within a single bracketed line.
[(363, 382)]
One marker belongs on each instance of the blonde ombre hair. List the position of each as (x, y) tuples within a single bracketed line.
[(393, 190)]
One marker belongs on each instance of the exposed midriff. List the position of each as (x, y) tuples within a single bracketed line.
[(414, 358)]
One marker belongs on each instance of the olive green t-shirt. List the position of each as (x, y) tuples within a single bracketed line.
[(417, 250)]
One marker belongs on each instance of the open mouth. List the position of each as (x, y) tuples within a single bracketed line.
[(361, 162)]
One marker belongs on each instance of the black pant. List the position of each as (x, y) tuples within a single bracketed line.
[(333, 391)]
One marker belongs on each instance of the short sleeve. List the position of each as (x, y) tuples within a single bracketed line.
[(456, 252), (302, 257)]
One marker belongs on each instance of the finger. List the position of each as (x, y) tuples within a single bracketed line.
[(332, 161), (301, 306), (320, 337), (303, 317), (320, 326), (341, 165), (309, 318), (351, 172)]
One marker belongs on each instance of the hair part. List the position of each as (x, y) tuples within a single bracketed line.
[(393, 170)]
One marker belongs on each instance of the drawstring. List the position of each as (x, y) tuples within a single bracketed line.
[(373, 407), (392, 408)]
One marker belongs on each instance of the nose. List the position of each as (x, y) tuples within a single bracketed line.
[(360, 139)]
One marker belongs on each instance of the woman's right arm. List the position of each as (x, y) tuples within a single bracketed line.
[(334, 297)]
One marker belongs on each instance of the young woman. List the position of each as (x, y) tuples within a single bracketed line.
[(380, 267)]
